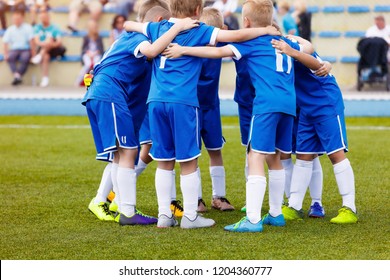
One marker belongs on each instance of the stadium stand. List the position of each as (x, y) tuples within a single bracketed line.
[(337, 27)]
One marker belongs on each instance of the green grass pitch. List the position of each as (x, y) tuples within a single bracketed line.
[(48, 175)]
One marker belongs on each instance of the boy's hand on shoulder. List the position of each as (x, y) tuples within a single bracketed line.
[(282, 46), (272, 30), (173, 51), (186, 23), (324, 70)]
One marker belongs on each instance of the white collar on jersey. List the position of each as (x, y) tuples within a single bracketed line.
[(173, 20)]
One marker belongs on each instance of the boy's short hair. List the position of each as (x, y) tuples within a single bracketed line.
[(259, 12), (185, 8), (157, 12), (147, 5), (212, 16)]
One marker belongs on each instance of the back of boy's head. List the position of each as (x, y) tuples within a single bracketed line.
[(258, 12), (212, 17), (186, 8), (157, 13), (284, 5), (149, 4)]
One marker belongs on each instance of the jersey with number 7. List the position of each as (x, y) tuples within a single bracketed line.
[(271, 73)]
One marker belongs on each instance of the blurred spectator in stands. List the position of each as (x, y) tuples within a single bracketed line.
[(125, 7), (76, 7), (117, 27), (303, 19), (47, 37), (10, 5), (209, 3), (35, 6), (18, 46), (380, 29), (286, 20), (91, 51), (228, 8)]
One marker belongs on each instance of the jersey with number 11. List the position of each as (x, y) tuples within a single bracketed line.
[(271, 73)]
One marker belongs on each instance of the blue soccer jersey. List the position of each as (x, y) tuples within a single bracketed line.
[(208, 85), (122, 73), (176, 80), (319, 98), (244, 92), (271, 73)]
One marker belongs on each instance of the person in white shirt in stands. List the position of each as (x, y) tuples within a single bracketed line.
[(380, 29), (228, 8)]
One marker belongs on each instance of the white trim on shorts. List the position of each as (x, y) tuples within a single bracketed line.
[(197, 127), (284, 152), (342, 138), (259, 152), (145, 142), (116, 130), (161, 159), (189, 159), (310, 153)]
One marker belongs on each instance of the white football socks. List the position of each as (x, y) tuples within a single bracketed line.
[(299, 183), (140, 167), (173, 190), (163, 181), (255, 191), (114, 175), (316, 182), (105, 185), (189, 187), (200, 190), (346, 183), (288, 166), (217, 174), (127, 179), (276, 191)]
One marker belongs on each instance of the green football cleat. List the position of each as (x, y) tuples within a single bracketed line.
[(345, 216), (243, 209), (113, 207), (290, 214), (100, 210)]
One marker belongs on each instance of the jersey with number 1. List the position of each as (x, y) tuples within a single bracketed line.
[(176, 80), (271, 73)]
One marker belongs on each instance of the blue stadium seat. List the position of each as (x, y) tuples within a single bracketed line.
[(350, 59), (82, 33), (329, 34), (2, 31), (1, 57), (69, 58), (382, 9), (313, 9), (65, 9), (333, 9), (358, 9), (331, 59), (354, 34)]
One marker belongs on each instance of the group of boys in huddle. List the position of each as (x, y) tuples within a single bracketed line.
[(158, 85)]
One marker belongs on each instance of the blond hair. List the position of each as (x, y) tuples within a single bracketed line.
[(212, 16), (157, 12), (259, 12), (147, 5), (185, 8)]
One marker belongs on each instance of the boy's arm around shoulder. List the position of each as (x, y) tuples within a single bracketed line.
[(245, 34), (307, 46), (175, 51), (306, 59), (154, 49)]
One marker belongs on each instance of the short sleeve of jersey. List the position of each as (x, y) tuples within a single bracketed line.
[(135, 44), (207, 34), (239, 50)]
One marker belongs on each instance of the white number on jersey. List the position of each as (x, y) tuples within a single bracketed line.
[(163, 59), (279, 62)]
